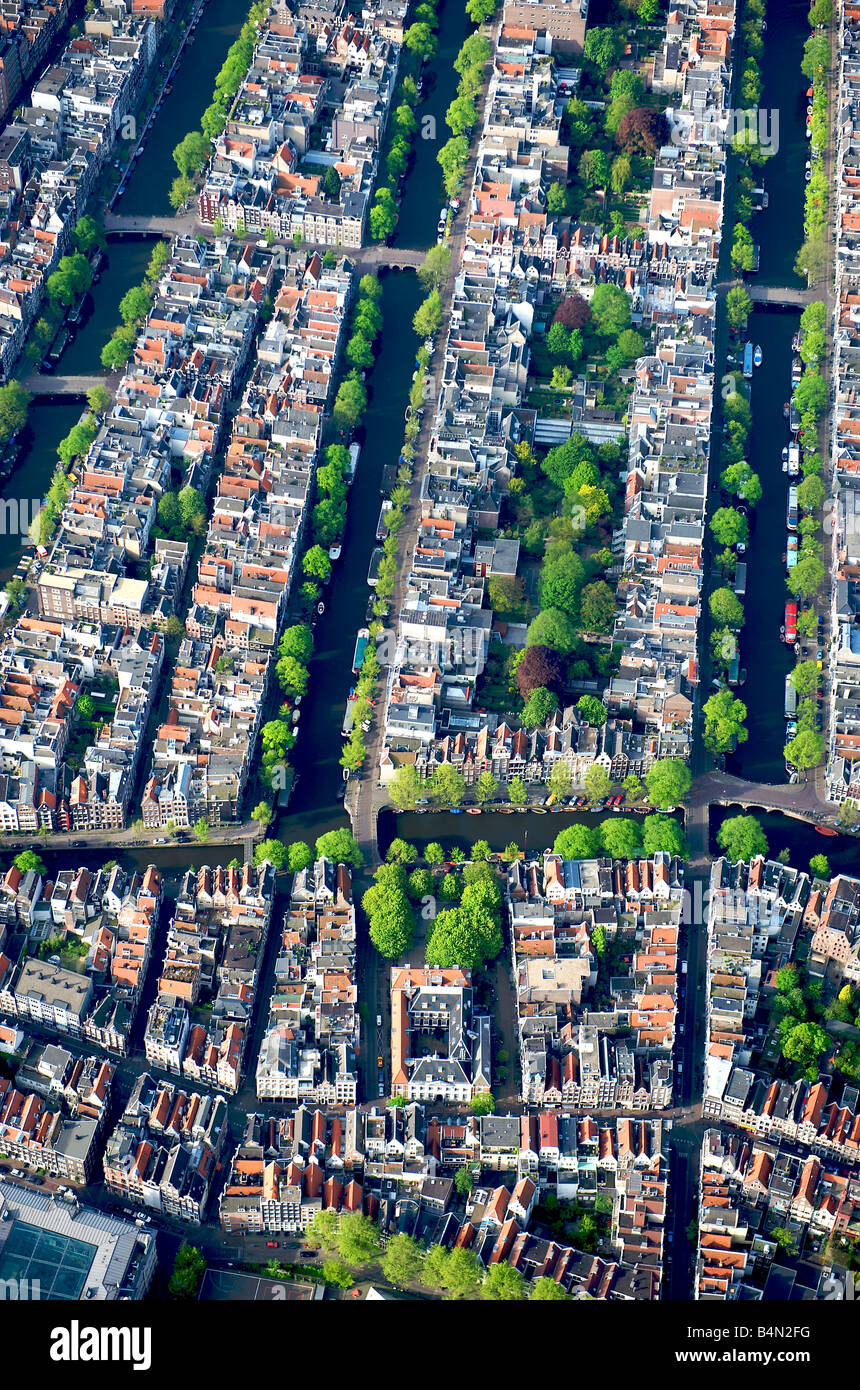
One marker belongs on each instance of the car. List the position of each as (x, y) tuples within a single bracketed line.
[(380, 1061), (306, 1254), (379, 1020), (271, 1245), (78, 844), (382, 1090)]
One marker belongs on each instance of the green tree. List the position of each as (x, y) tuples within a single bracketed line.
[(88, 235), (805, 750), (446, 785), (28, 861), (188, 1268), (358, 1239), (479, 11), (546, 1290), (482, 1104), (517, 792), (486, 788), (540, 705), (406, 787), (620, 837), (729, 526), (610, 310), (420, 40), (577, 842), (724, 722), (463, 1181), (299, 856), (200, 830), (461, 114), (598, 783), (340, 847), (742, 838), (349, 406), (428, 315), (337, 1273), (738, 306), (504, 1283), (597, 607), (820, 866), (603, 47), (668, 782), (402, 1261), (663, 834), (383, 214), (553, 628), (434, 270)]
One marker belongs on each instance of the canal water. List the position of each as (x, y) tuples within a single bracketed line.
[(424, 192), (778, 230), (314, 807)]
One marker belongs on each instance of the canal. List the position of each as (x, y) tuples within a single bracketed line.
[(314, 807), (424, 193), (778, 230)]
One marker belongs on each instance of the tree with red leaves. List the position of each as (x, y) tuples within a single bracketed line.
[(572, 312), (642, 131), (541, 666)]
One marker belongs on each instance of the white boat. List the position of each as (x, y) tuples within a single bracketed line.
[(757, 356), (785, 455)]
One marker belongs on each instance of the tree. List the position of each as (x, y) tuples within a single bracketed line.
[(561, 579), (594, 169), (598, 783), (200, 830), (452, 159), (293, 676), (668, 782), (642, 131), (340, 847), (14, 403), (99, 399), (298, 857), (419, 39), (434, 270), (597, 607), (479, 11), (383, 214), (482, 1104), (620, 837), (742, 838), (262, 814), (820, 866), (458, 1272), (337, 1273), (505, 593), (28, 861), (349, 406), (810, 393), (592, 710), (805, 750), (743, 250), (804, 1043), (726, 608), (810, 494), (446, 785), (88, 235), (504, 1283), (546, 1290), (400, 852), (463, 1181), (539, 707), (359, 352), (806, 678), (662, 833), (730, 527), (358, 1238), (573, 313), (461, 114), (188, 1268), (540, 666), (577, 842), (316, 564), (517, 792), (406, 787), (192, 153), (403, 1259), (610, 310), (486, 787), (738, 306), (807, 576), (322, 1233), (560, 780), (297, 641), (428, 315), (603, 47), (724, 722), (552, 628)]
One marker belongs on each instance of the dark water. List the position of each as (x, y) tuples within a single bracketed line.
[(124, 265), (523, 828), (314, 807), (147, 190), (800, 839), (764, 655), (424, 192), (778, 230), (48, 423)]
